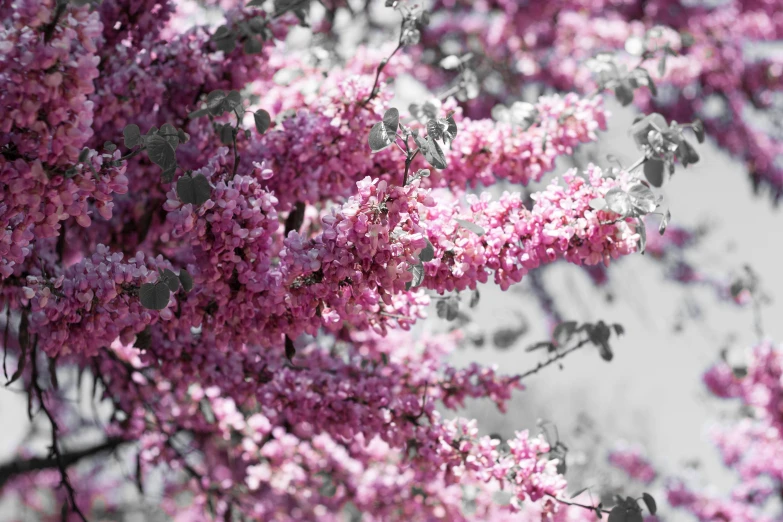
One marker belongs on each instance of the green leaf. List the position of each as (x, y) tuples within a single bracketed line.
[(432, 152), (640, 129), (167, 176), (170, 134), (252, 45), (418, 276), (109, 146), (563, 332), (379, 138), (653, 171), (171, 280), (448, 308), (642, 235), (618, 514), (263, 120), (186, 279), (391, 120), (154, 296), (618, 201), (84, 155), (226, 134), (198, 113), (664, 222), (232, 100), (161, 152), (226, 43), (649, 501), (194, 190), (599, 336), (469, 225), (687, 154), (132, 135), (698, 129), (642, 198), (451, 129), (624, 93), (428, 252), (215, 102)]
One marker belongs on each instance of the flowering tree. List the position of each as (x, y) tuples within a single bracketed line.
[(228, 240)]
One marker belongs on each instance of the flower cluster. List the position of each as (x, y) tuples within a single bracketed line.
[(550, 43)]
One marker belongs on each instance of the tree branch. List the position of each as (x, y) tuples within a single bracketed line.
[(19, 467)]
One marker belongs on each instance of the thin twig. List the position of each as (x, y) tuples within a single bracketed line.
[(408, 162), (576, 504), (400, 45), (554, 359), (55, 447)]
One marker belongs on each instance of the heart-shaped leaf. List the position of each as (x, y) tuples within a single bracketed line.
[(170, 133), (432, 152), (132, 135), (215, 102), (642, 198), (448, 308), (171, 279), (640, 130), (252, 45), (154, 296), (263, 120), (391, 120), (418, 276), (187, 280), (161, 152), (427, 253), (618, 201), (194, 190), (232, 100), (379, 138), (653, 171), (226, 134)]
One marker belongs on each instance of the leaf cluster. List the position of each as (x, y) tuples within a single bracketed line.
[(155, 296)]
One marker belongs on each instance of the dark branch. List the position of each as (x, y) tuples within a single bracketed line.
[(11, 469)]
